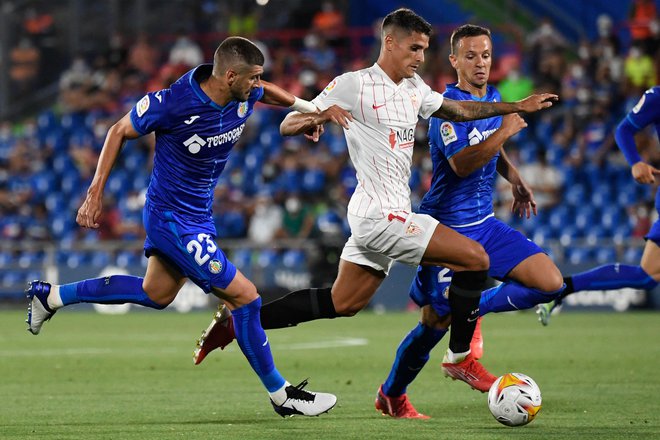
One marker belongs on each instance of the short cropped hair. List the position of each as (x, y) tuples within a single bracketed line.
[(237, 50), (407, 21), (467, 30)]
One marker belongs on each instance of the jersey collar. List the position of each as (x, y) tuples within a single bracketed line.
[(194, 85)]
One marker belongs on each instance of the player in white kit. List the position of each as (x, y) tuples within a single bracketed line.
[(378, 107)]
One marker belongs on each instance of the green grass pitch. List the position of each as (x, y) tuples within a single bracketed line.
[(91, 376)]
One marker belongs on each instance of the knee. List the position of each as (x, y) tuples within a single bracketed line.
[(347, 309), (347, 306), (160, 296), (477, 259), (552, 281)]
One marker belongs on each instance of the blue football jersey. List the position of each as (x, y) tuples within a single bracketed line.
[(194, 136), (647, 110), (455, 200)]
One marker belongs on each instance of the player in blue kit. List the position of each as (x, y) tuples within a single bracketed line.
[(466, 156), (196, 121), (616, 276)]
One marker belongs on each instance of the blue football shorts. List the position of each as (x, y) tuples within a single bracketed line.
[(654, 233), (505, 246), (188, 246)]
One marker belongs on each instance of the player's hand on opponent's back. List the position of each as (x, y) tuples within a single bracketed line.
[(644, 173), (537, 102), (337, 115), (89, 211)]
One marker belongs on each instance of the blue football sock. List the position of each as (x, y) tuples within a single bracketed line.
[(613, 276), (411, 356), (115, 289), (253, 341), (511, 295)]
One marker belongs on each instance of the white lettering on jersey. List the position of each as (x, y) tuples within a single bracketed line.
[(142, 106), (230, 136), (448, 133), (477, 136), (194, 143), (640, 104), (158, 97), (191, 120)]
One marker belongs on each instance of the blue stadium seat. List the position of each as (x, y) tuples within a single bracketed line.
[(584, 218), (559, 217), (633, 255), (568, 234), (575, 195), (127, 259), (242, 259), (605, 255), (313, 181), (268, 258), (578, 255), (294, 259), (542, 234), (611, 216), (100, 259)]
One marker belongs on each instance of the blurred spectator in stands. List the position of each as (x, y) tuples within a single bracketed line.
[(515, 85), (266, 219), (607, 37), (24, 59), (298, 219), (111, 224), (329, 22), (544, 179), (84, 156), (19, 176), (243, 20), (642, 17), (317, 55), (132, 90), (117, 53), (144, 56), (595, 139), (639, 71), (74, 83), (547, 49), (185, 51), (640, 217), (165, 77), (37, 228)]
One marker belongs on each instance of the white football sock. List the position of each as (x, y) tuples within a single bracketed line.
[(455, 358), (279, 396)]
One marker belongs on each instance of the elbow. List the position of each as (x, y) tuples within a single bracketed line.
[(285, 130)]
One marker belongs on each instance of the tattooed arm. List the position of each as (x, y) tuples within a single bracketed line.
[(460, 111)]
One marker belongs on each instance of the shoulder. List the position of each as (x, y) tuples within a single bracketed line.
[(494, 94)]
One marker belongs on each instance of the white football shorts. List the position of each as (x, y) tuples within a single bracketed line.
[(377, 243)]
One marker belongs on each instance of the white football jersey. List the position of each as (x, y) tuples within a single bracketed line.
[(381, 137)]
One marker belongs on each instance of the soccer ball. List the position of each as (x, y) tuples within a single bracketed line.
[(514, 399)]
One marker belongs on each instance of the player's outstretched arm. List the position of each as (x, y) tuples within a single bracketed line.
[(276, 95), (469, 110), (90, 210), (297, 123)]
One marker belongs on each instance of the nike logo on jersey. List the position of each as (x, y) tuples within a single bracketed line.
[(376, 107), (158, 97), (265, 343), (191, 120)]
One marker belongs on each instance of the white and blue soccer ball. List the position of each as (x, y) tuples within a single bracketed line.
[(514, 399)]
